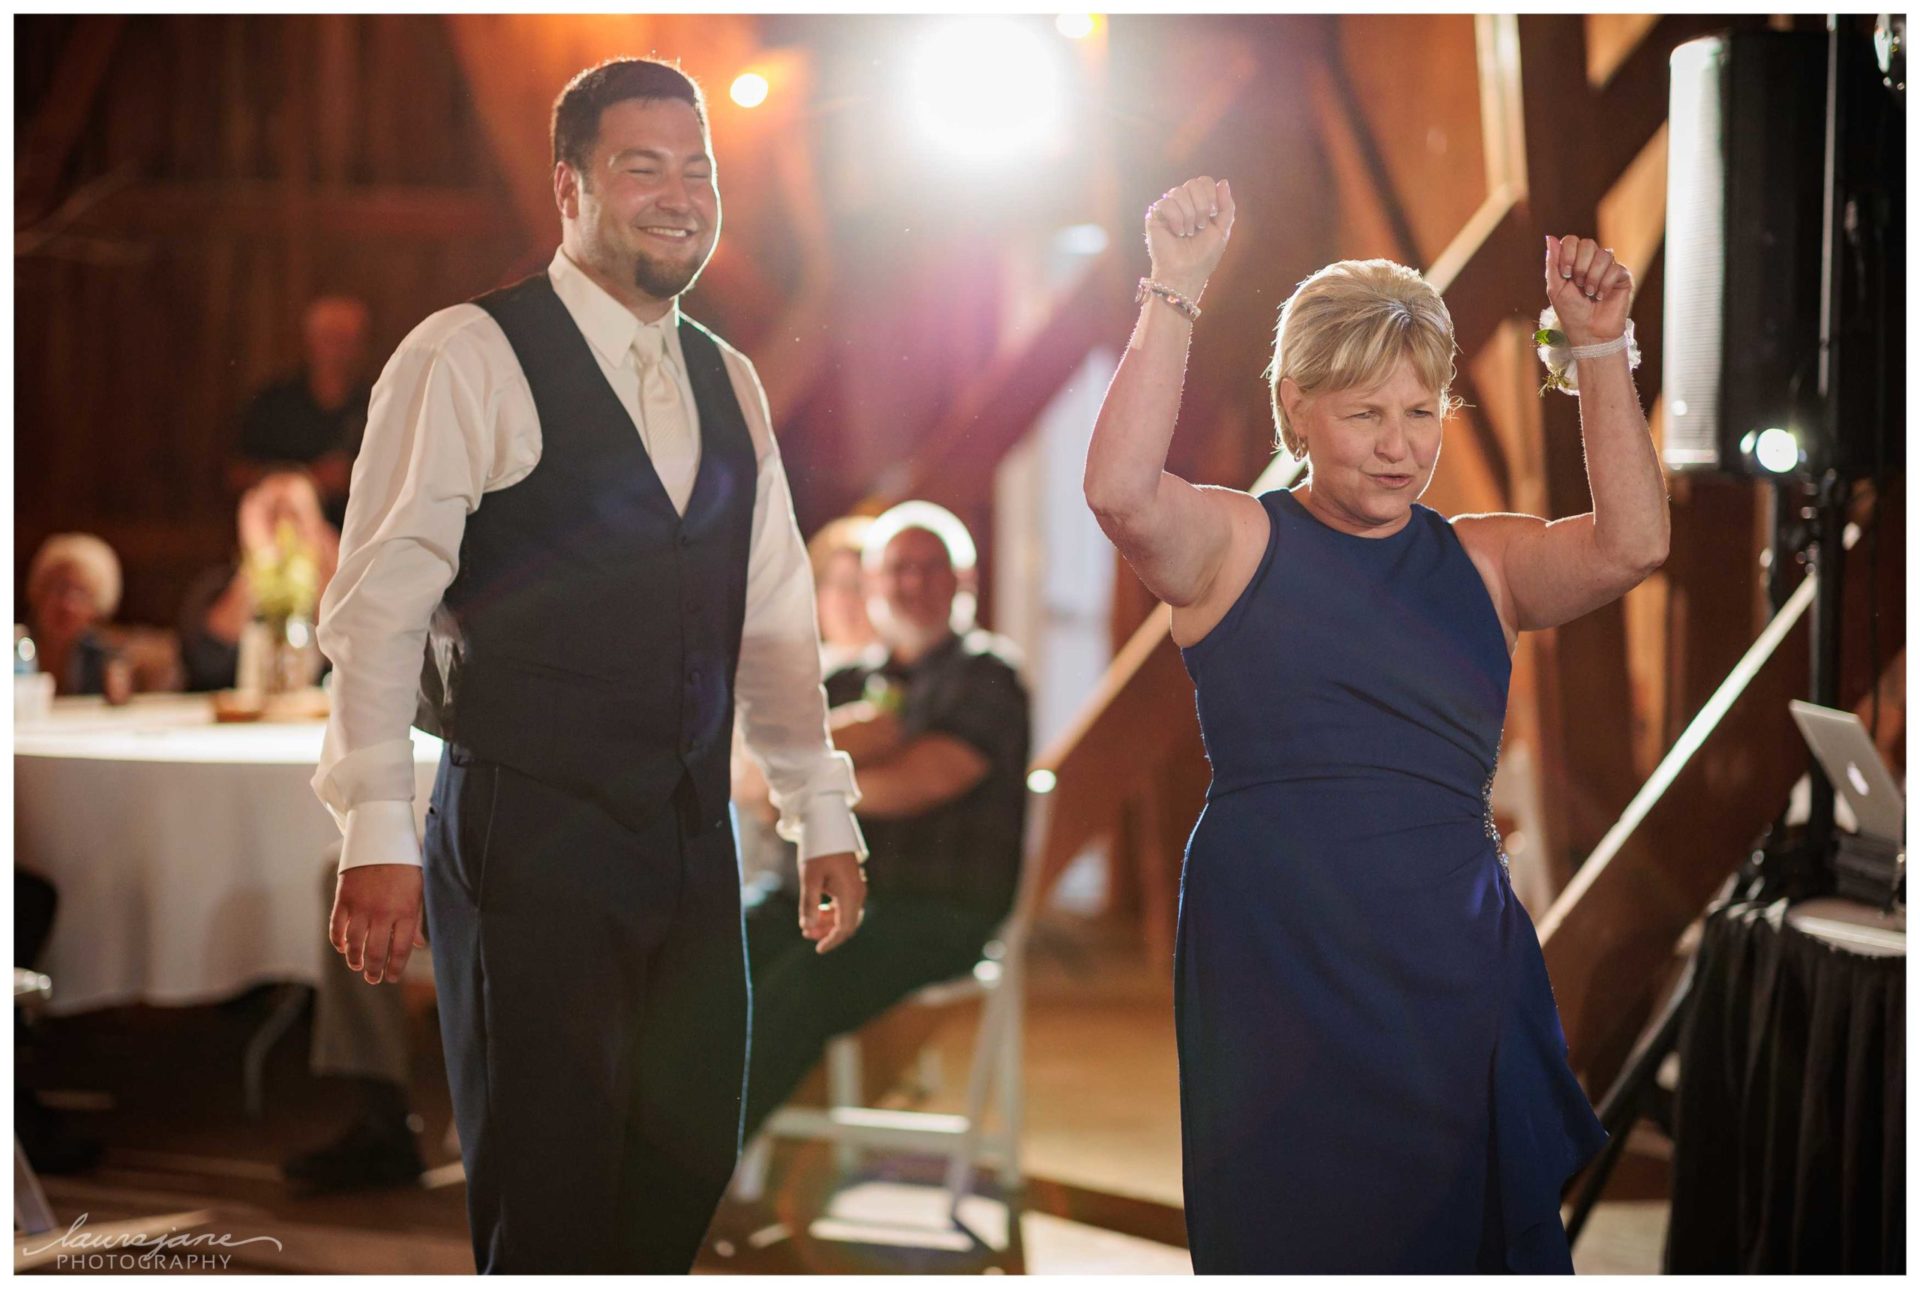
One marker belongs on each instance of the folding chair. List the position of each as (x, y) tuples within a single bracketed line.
[(965, 1139), (31, 1214)]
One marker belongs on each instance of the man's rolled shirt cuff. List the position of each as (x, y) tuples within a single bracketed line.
[(380, 832), (827, 827), (379, 772)]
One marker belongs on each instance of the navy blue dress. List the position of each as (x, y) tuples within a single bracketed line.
[(1373, 1076)]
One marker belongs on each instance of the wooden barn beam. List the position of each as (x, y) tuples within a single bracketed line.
[(47, 141), (1633, 102), (1353, 118), (244, 210), (955, 462), (511, 71), (337, 82), (1483, 270), (1613, 929)]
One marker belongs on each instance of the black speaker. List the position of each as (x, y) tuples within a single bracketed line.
[(1753, 279)]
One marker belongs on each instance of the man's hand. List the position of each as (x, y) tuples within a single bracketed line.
[(376, 919), (839, 879)]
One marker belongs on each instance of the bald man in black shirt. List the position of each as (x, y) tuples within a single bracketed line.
[(938, 732)]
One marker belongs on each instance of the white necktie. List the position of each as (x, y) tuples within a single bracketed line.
[(669, 440)]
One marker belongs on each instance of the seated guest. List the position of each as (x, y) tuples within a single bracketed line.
[(840, 606), (220, 602), (73, 587), (840, 592), (316, 416), (936, 723)]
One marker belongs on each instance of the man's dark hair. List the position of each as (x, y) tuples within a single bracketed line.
[(576, 113)]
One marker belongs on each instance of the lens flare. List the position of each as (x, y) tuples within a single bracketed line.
[(1777, 450), (988, 88), (749, 89)]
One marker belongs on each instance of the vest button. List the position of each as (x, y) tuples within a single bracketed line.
[(685, 538), (693, 678)]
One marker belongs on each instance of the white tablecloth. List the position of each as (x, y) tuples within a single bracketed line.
[(187, 854)]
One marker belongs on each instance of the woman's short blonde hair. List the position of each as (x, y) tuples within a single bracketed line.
[(1349, 325), (95, 560), (843, 536)]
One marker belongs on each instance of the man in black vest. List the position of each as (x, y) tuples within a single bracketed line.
[(569, 497)]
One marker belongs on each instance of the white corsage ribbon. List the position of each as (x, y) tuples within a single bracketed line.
[(1560, 358)]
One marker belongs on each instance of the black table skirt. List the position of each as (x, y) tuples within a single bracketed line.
[(1790, 1125)]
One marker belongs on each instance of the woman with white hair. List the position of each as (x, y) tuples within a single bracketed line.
[(1373, 1073), (73, 588)]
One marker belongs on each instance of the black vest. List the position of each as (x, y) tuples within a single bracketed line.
[(591, 635)]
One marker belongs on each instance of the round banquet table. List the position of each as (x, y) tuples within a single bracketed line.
[(186, 853)]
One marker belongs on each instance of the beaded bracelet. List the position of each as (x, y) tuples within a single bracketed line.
[(1150, 287)]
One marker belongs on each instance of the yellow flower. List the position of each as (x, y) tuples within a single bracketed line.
[(285, 581)]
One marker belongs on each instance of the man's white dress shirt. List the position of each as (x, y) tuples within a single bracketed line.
[(452, 419)]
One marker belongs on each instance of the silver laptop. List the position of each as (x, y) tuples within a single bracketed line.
[(1854, 767)]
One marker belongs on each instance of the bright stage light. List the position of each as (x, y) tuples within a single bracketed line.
[(749, 89), (1777, 450), (1075, 26), (988, 87), (1041, 782), (1081, 239)]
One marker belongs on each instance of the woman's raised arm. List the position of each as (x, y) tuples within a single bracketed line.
[(1174, 534), (1550, 573)]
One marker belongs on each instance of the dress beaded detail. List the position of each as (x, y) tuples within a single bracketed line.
[(1373, 1076)]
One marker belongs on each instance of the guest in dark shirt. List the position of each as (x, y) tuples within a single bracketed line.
[(315, 417), (840, 591), (846, 634), (938, 733)]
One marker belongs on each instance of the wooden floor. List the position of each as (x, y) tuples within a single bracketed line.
[(162, 1089)]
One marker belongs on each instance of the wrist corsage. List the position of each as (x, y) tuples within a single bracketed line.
[(886, 697), (1560, 358)]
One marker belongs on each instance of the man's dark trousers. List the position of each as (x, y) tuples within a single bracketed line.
[(593, 1007), (802, 999)]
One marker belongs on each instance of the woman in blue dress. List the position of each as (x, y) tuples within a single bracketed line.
[(1373, 1076)]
